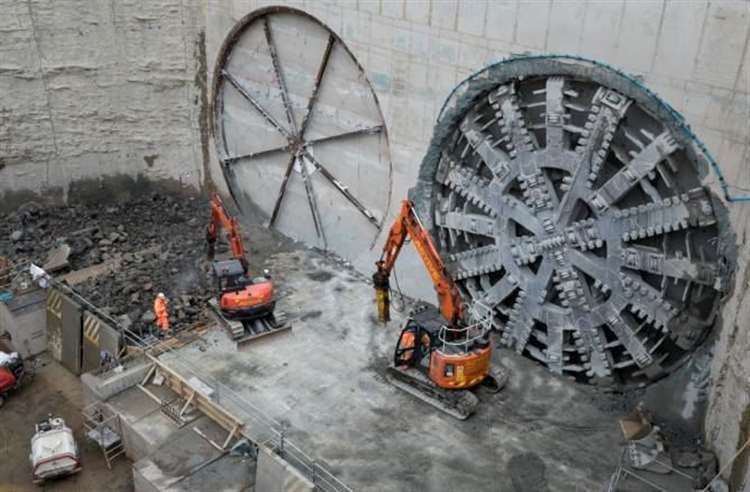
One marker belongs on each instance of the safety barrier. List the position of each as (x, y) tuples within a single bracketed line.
[(257, 425), (480, 323), (261, 428)]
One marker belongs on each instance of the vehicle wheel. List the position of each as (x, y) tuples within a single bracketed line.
[(2, 400)]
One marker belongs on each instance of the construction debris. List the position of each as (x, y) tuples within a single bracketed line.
[(58, 259), (152, 243)]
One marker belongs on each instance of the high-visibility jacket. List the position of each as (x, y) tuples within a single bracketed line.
[(162, 315)]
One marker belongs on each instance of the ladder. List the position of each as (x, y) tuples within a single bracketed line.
[(103, 427)]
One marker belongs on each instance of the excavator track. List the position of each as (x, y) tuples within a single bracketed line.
[(456, 403), (243, 331)]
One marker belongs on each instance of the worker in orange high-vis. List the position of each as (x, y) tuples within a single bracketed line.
[(161, 313)]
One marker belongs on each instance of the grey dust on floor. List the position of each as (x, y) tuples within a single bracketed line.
[(325, 380)]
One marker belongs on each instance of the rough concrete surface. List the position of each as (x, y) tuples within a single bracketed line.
[(178, 463), (53, 390), (325, 379), (97, 89), (727, 424), (111, 88)]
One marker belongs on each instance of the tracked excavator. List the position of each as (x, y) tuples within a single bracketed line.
[(245, 305), (440, 358)]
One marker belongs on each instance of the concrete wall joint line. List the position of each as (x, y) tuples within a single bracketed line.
[(658, 34), (701, 37), (43, 78), (742, 67)]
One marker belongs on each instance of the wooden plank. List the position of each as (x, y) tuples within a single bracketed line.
[(204, 404)]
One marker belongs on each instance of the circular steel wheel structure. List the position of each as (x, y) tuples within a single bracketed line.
[(299, 131), (569, 198)]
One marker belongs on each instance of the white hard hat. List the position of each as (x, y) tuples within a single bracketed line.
[(161, 295)]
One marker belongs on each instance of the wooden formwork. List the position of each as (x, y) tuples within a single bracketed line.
[(194, 398)]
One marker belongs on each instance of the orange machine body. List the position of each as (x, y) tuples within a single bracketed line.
[(240, 296), (419, 346), (253, 300), (423, 343), (457, 371)]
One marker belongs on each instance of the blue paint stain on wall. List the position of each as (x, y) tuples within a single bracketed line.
[(381, 81)]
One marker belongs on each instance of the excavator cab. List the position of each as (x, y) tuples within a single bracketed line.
[(452, 357), (440, 355), (414, 346)]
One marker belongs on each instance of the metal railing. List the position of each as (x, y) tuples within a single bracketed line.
[(480, 323), (10, 273), (260, 427)]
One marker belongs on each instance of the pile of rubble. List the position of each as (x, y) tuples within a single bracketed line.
[(144, 246)]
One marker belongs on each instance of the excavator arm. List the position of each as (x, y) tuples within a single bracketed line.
[(220, 218), (407, 224)]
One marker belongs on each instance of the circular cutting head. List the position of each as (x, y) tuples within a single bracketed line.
[(569, 197), (299, 131)]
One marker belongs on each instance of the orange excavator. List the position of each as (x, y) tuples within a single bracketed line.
[(245, 304), (435, 362)]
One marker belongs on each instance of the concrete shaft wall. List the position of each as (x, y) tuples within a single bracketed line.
[(115, 87), (98, 88), (693, 54)]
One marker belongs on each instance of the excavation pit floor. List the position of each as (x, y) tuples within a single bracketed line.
[(324, 380)]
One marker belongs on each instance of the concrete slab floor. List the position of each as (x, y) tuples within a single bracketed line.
[(53, 390), (187, 461), (325, 379)]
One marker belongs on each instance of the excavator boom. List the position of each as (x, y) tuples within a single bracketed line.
[(220, 218), (240, 297), (407, 224), (436, 363)]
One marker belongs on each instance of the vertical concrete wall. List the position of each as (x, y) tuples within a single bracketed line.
[(273, 474), (114, 87), (693, 54), (96, 89), (24, 320), (728, 421)]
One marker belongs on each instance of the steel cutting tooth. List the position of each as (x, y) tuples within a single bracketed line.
[(473, 188), (608, 108), (555, 114), (654, 261), (470, 265), (587, 288), (519, 324), (472, 223), (673, 214), (637, 169), (494, 158), (629, 340), (511, 122)]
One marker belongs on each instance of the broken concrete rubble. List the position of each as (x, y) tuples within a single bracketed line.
[(149, 241), (58, 259)]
